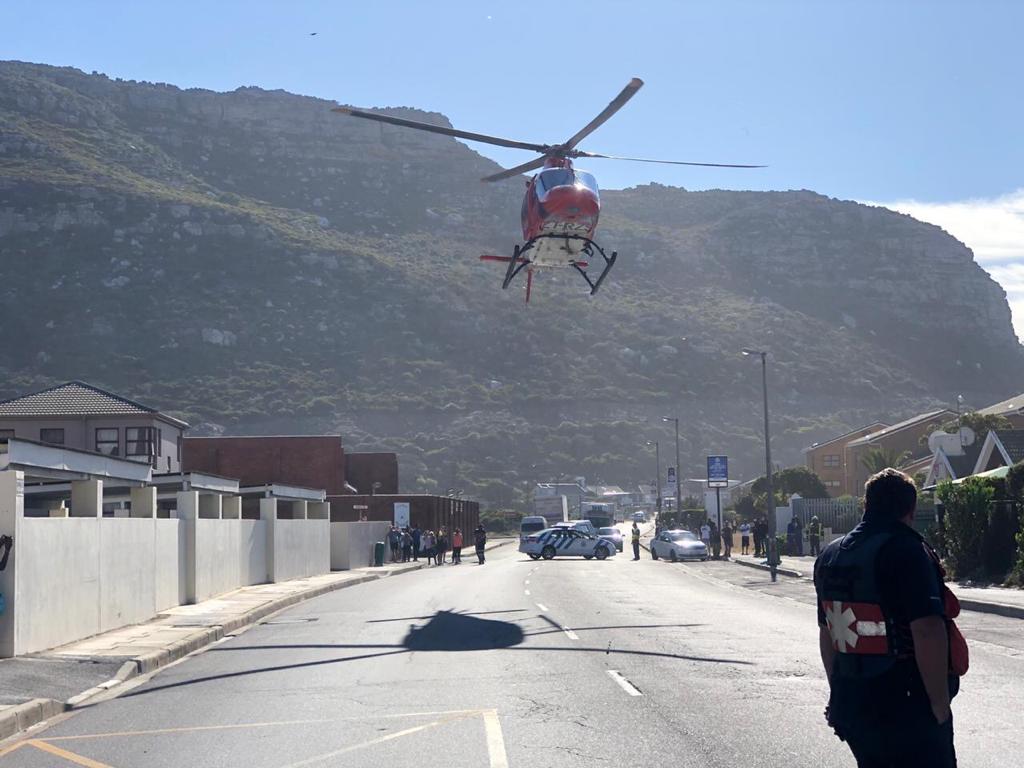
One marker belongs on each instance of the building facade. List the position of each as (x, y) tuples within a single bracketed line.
[(85, 417), (828, 459)]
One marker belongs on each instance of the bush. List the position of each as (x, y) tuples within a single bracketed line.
[(1015, 491), (966, 525)]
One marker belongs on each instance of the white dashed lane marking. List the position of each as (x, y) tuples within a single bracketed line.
[(624, 684), (542, 607)]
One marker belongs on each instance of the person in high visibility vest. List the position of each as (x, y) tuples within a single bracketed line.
[(635, 531)]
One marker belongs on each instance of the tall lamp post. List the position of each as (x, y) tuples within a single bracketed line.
[(679, 513), (772, 553), (657, 464)]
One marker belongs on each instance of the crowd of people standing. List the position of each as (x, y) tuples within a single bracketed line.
[(409, 543)]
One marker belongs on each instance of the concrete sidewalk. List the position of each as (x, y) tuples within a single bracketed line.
[(997, 600), (37, 687)]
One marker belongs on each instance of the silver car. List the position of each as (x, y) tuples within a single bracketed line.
[(678, 545)]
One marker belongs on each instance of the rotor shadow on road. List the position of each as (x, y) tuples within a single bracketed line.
[(447, 631)]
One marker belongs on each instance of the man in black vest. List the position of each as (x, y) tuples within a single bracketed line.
[(883, 635)]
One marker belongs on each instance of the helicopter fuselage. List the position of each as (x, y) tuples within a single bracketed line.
[(560, 201)]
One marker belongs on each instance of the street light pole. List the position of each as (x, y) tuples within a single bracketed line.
[(679, 514), (657, 464), (772, 553)]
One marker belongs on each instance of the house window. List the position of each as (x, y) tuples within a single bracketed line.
[(139, 441), (107, 441), (51, 436), (832, 461)]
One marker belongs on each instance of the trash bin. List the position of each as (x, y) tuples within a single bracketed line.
[(378, 554)]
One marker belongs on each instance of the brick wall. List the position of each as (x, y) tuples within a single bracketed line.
[(364, 469), (428, 512), (314, 461)]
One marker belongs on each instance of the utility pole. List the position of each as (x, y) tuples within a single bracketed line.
[(679, 485), (773, 564)]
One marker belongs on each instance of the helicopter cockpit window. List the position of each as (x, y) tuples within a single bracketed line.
[(587, 180), (553, 177)]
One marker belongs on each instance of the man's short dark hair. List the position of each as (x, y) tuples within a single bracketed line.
[(889, 495)]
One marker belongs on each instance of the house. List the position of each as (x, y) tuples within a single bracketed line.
[(1002, 448), (906, 437), (85, 417), (827, 459), (951, 459), (1011, 409)]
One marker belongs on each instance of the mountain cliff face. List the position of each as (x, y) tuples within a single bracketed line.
[(255, 263)]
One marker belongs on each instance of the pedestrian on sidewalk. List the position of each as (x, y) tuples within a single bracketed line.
[(760, 537), (727, 539), (406, 545), (417, 536), (716, 539), (798, 531), (480, 541), (429, 542), (814, 535), (890, 649), (705, 534), (394, 541), (442, 546), (635, 533), (791, 537), (457, 547), (745, 538)]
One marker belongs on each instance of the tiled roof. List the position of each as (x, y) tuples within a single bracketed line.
[(964, 465), (75, 398), (1013, 441), (823, 443), (911, 422), (1011, 405)]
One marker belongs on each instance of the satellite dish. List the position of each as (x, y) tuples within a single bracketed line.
[(967, 436), (935, 440)]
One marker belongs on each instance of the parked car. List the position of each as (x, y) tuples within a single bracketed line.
[(678, 545), (531, 524), (614, 535), (563, 541)]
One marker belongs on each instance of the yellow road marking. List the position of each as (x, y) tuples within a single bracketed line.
[(12, 747), (230, 726), (381, 740), (69, 756)]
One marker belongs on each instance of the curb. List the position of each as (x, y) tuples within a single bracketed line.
[(1000, 609), (26, 715), (784, 571)]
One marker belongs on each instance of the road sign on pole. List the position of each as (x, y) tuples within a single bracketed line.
[(718, 471)]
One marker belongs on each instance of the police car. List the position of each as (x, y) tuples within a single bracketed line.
[(565, 541)]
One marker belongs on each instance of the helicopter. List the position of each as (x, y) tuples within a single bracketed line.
[(562, 203)]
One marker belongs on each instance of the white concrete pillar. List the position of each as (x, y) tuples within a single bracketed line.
[(209, 506), (86, 498), (268, 513), (143, 501), (231, 507), (188, 510), (318, 510), (12, 512)]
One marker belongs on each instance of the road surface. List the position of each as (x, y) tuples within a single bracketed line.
[(519, 663)]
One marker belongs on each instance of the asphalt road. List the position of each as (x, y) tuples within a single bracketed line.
[(517, 663)]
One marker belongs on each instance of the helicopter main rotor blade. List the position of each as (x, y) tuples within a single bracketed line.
[(616, 104), (497, 140), (581, 153), (525, 167)]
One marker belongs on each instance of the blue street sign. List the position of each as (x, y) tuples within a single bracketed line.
[(718, 471)]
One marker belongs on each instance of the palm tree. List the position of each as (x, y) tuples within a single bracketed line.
[(877, 459)]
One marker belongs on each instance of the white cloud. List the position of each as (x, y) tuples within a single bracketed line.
[(993, 228)]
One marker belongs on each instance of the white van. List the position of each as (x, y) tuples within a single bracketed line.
[(580, 525), (531, 524)]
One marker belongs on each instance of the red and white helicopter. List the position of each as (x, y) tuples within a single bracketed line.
[(562, 203)]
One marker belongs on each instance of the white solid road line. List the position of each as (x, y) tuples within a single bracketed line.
[(495, 740), (528, 591), (542, 607), (624, 684)]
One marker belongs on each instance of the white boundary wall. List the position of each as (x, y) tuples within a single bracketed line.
[(352, 543), (71, 577)]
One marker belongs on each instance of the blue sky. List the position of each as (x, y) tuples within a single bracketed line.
[(916, 103)]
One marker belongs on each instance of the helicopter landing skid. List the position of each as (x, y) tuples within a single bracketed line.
[(578, 252)]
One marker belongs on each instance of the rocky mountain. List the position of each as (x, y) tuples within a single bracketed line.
[(254, 263)]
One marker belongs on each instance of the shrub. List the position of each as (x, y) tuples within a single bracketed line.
[(966, 524)]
